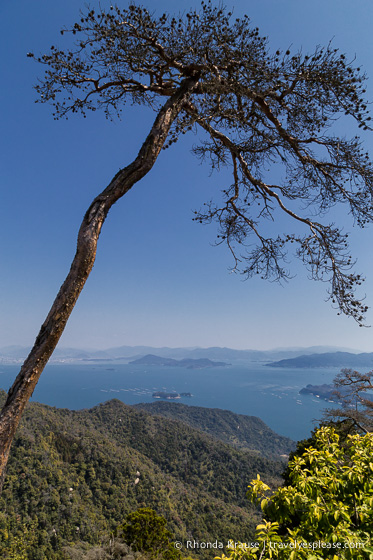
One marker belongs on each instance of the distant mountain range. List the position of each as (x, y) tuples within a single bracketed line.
[(328, 359), (189, 363), (124, 354)]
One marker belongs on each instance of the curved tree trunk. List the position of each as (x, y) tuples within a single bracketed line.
[(89, 232)]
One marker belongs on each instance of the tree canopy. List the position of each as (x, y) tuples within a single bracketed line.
[(257, 111), (146, 531)]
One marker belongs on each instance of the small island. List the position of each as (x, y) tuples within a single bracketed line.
[(169, 396), (330, 392), (325, 391), (164, 395)]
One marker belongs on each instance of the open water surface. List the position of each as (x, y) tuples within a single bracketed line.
[(272, 394)]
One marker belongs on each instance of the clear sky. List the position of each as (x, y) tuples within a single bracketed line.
[(157, 279)]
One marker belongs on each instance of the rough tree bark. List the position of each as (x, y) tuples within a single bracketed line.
[(85, 255)]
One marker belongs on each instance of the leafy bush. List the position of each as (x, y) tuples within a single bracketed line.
[(326, 510)]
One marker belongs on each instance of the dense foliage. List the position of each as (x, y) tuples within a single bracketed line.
[(325, 511), (74, 477), (244, 432), (146, 531)]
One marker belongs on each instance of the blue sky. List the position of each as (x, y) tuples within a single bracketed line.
[(157, 279)]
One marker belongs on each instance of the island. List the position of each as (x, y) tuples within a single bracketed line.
[(164, 395), (324, 391), (327, 359), (330, 392), (189, 363), (173, 395)]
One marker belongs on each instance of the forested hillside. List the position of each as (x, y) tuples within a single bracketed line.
[(244, 432), (74, 475)]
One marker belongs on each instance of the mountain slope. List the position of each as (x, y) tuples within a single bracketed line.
[(74, 475), (243, 432)]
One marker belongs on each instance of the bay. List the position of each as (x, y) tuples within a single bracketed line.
[(253, 389)]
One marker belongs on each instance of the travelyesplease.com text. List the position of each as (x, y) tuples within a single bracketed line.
[(315, 545)]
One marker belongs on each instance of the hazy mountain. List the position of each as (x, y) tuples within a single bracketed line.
[(16, 354), (217, 353), (330, 359), (189, 363)]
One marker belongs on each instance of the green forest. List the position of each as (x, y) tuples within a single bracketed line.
[(122, 482), (74, 476)]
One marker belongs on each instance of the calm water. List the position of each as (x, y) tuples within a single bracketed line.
[(253, 389)]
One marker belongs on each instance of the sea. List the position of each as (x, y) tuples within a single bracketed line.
[(253, 389)]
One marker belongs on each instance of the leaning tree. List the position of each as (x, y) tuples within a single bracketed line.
[(255, 108)]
